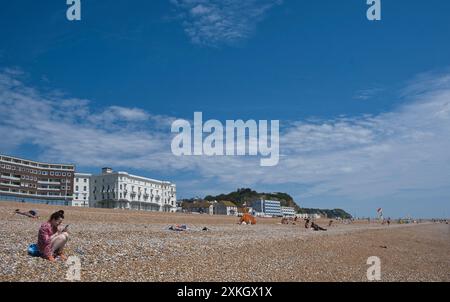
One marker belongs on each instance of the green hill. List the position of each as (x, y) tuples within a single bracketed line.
[(246, 196), (335, 213)]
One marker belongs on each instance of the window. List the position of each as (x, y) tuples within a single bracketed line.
[(76, 188), (63, 173), (77, 179), (52, 173), (58, 174), (84, 188), (69, 174), (44, 173), (85, 180)]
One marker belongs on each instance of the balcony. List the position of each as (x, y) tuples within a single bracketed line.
[(49, 189), (49, 182), (10, 185), (10, 177)]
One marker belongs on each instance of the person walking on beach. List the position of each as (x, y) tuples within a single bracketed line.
[(52, 238)]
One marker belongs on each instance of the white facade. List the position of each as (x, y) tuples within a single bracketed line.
[(288, 211), (310, 216), (120, 190), (223, 208), (81, 190)]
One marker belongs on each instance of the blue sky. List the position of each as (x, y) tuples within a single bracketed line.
[(363, 106)]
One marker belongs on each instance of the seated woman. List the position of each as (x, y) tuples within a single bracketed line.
[(51, 239)]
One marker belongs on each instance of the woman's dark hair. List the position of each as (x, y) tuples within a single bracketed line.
[(57, 215)]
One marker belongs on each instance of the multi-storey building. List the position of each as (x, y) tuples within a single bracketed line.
[(288, 211), (121, 190), (81, 190), (25, 180), (267, 208), (223, 208)]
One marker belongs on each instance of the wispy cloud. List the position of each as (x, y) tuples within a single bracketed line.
[(366, 94), (216, 22), (68, 129), (398, 155)]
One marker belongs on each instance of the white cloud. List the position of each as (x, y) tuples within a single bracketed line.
[(366, 94), (215, 22), (398, 155)]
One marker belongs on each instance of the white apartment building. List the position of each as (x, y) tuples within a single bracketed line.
[(288, 211), (81, 190), (120, 190), (310, 216)]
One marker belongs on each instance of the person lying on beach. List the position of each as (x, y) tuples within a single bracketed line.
[(31, 213), (52, 238), (317, 227), (178, 228)]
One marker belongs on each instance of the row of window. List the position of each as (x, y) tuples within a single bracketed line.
[(151, 185), (17, 161), (77, 188), (84, 180), (28, 185), (38, 172), (32, 193), (54, 187), (107, 196)]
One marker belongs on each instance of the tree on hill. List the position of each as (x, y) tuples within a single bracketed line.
[(246, 196), (335, 213)]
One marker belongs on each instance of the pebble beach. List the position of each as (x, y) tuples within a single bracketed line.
[(118, 245)]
